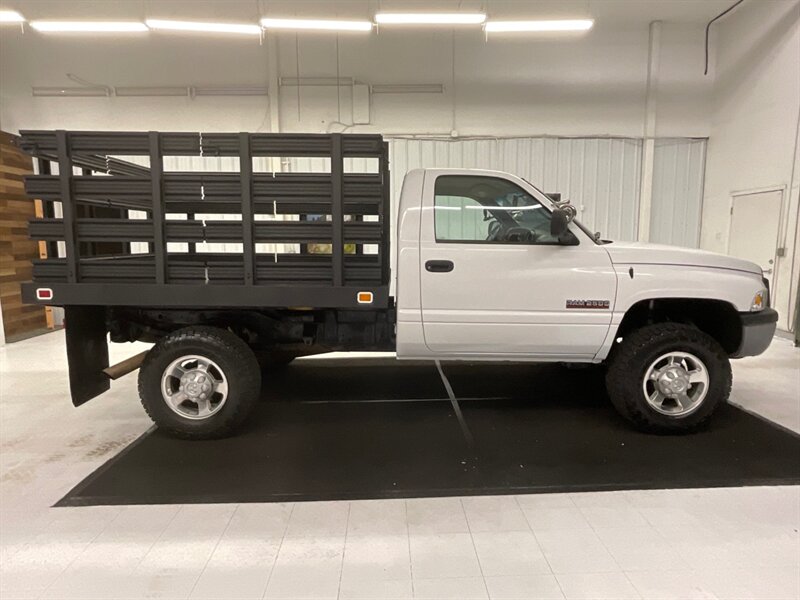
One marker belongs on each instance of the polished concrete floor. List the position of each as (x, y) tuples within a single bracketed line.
[(701, 543)]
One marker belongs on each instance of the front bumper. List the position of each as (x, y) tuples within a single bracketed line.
[(758, 328)]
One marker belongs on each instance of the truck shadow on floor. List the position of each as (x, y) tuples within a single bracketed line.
[(383, 379), (375, 428)]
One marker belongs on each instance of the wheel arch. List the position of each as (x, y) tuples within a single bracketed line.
[(717, 318)]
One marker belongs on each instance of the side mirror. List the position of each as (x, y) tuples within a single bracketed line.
[(559, 222), (559, 227)]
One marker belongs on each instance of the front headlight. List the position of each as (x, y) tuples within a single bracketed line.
[(760, 301)]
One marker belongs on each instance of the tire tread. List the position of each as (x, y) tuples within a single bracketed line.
[(625, 390), (249, 381)]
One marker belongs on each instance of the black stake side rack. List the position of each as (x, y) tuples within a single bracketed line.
[(98, 266)]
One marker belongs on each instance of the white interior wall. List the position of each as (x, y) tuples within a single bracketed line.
[(754, 129), (568, 85), (585, 85), (678, 172), (592, 84)]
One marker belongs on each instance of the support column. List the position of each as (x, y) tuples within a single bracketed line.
[(649, 132)]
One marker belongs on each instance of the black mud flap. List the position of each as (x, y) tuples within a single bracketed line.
[(87, 352)]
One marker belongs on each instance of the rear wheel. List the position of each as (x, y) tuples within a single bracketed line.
[(199, 383), (668, 377)]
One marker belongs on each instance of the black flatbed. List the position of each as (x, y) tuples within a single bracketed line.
[(97, 187)]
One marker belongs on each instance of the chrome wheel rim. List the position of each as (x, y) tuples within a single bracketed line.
[(675, 384), (194, 387)]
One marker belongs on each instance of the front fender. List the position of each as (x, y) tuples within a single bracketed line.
[(648, 282), (638, 283)]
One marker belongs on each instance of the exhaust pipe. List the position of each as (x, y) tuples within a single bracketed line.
[(129, 365)]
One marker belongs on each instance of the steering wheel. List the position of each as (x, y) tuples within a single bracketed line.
[(519, 234), (500, 233)]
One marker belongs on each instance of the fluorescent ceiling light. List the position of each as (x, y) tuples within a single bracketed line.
[(204, 27), (89, 26), (316, 24), (555, 25), (430, 18), (11, 16)]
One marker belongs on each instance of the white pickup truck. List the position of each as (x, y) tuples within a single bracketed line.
[(487, 268)]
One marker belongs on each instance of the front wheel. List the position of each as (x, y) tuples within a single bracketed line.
[(668, 378), (199, 383)]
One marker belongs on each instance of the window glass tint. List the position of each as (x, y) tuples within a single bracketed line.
[(472, 208)]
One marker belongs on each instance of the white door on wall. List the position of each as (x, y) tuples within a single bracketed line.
[(755, 219)]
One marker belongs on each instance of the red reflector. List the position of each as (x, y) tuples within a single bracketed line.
[(44, 294)]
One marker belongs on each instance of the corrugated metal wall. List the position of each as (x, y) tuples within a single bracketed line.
[(601, 176), (678, 172)]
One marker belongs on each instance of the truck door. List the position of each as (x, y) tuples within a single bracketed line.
[(494, 281)]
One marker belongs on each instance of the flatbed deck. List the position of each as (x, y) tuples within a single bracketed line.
[(97, 188)]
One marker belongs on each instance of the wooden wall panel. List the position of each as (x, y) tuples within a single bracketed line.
[(16, 249)]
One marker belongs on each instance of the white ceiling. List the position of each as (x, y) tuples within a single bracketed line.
[(605, 12)]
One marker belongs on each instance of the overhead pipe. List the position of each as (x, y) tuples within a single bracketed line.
[(708, 27)]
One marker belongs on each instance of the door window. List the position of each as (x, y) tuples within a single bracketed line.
[(478, 209)]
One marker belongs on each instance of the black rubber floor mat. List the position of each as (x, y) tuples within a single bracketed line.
[(376, 428)]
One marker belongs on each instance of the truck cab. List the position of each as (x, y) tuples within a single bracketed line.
[(481, 276)]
